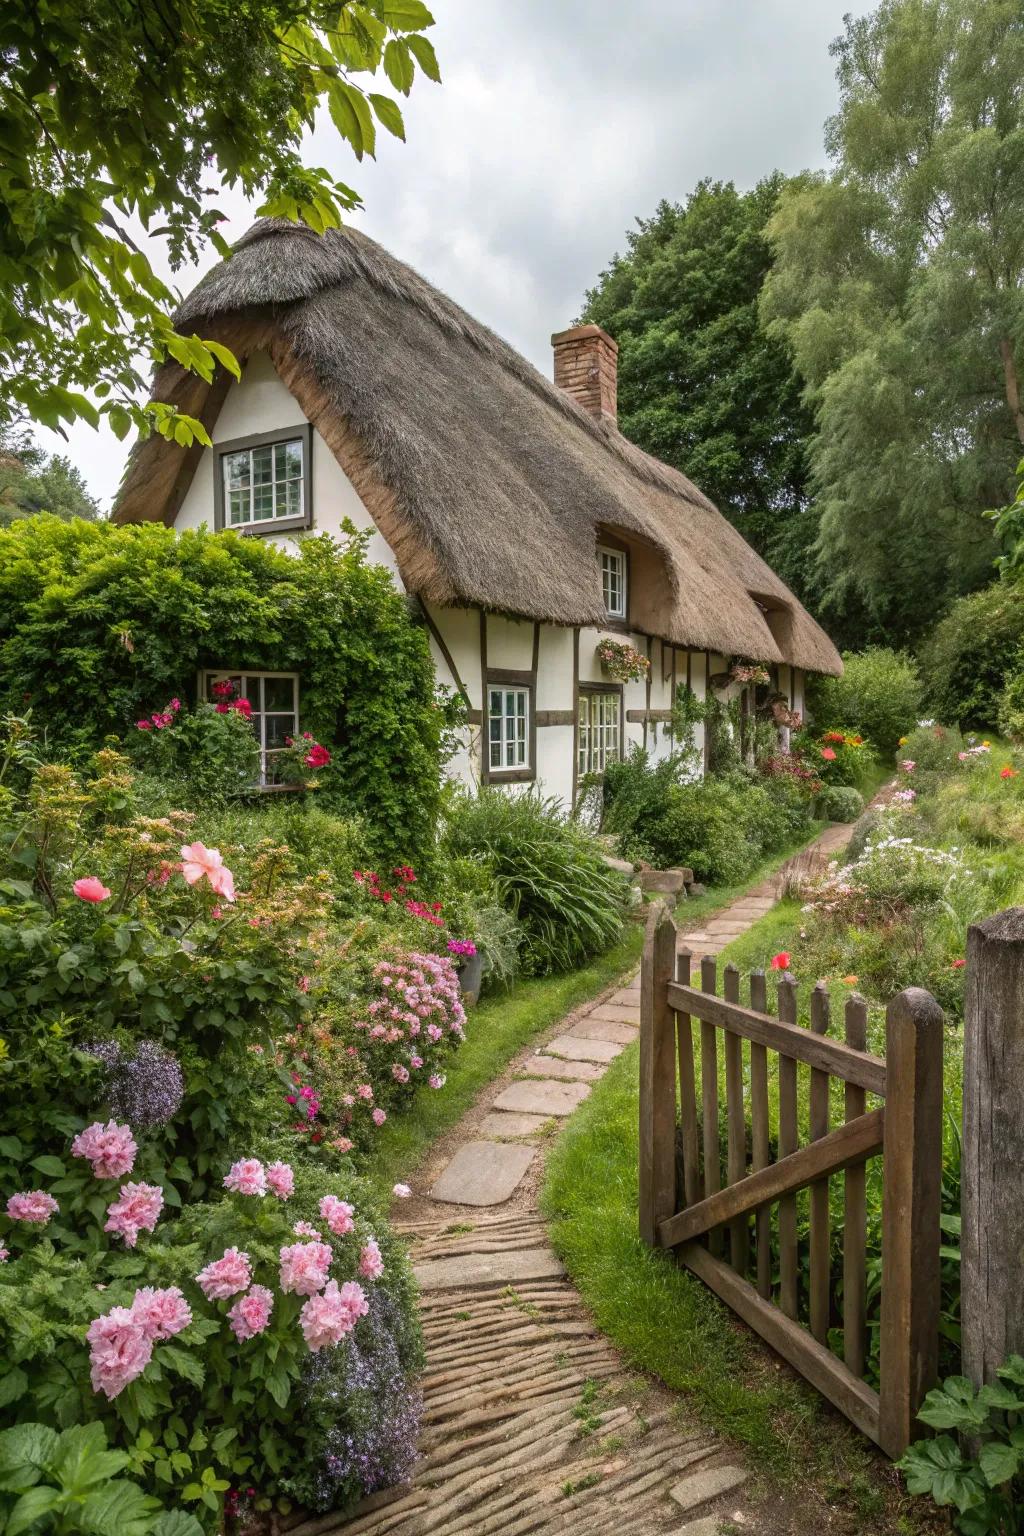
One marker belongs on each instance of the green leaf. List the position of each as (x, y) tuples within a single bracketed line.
[(398, 65), (1012, 1369), (25, 1451), (183, 1363), (13, 1384), (422, 50), (224, 356), (177, 1522), (406, 15), (10, 1146), (51, 1166), (998, 1462), (997, 1396), (954, 1406), (30, 1508), (388, 114), (351, 116), (119, 1509), (82, 1459)]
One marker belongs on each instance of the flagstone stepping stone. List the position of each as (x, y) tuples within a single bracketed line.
[(565, 1071), (501, 1123), (583, 1050), (542, 1098), (501, 1268), (707, 1525), (605, 1029), (708, 1483), (483, 1173), (617, 1013)]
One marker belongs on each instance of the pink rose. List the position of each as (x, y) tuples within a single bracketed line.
[(280, 1180), (251, 1312), (91, 889), (161, 1313), (371, 1265), (436, 1080), (135, 1210), (246, 1177), (365, 1091), (33, 1205), (342, 1144), (326, 1319), (399, 1073), (120, 1348), (226, 1276), (197, 860), (304, 1267), (402, 1191), (306, 1229), (5, 1254), (378, 1117), (110, 1148), (337, 1214)]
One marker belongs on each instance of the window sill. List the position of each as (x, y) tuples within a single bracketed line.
[(511, 775), (261, 530)]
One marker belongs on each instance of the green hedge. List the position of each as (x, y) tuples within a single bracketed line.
[(100, 625)]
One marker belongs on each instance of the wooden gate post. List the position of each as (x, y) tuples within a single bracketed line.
[(991, 1191), (910, 1213), (657, 1076)]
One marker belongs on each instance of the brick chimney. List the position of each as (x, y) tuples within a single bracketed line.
[(586, 367)]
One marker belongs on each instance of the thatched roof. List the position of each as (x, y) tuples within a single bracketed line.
[(491, 485)]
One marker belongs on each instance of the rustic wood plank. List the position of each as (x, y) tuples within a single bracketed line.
[(736, 1165), (692, 1188), (788, 1137), (547, 717), (820, 1286), (911, 1205), (709, 1094), (657, 1172), (849, 1143), (759, 1131), (852, 1397), (789, 1039), (855, 1231)]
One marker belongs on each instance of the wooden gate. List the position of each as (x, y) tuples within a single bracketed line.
[(710, 1198)]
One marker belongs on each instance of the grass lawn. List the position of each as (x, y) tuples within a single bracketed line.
[(495, 1031)]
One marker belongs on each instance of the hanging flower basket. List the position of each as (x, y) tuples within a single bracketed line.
[(622, 662), (749, 672)]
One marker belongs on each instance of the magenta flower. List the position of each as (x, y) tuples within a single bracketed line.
[(136, 1210), (33, 1205), (110, 1149), (304, 1267), (371, 1265), (326, 1319), (337, 1214), (246, 1177), (5, 1254), (120, 1348), (91, 889), (161, 1313), (280, 1180), (226, 1276), (250, 1314), (437, 1079)]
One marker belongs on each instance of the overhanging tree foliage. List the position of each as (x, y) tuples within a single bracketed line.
[(113, 111), (701, 383), (899, 283)]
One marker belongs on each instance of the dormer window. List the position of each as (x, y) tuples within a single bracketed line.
[(614, 580), (263, 482)]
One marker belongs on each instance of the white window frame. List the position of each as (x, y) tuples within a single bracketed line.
[(509, 743), (253, 687), (283, 519), (600, 730), (614, 564)]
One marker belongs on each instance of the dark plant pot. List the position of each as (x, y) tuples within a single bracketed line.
[(471, 975)]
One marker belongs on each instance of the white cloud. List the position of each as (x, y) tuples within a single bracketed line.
[(560, 122)]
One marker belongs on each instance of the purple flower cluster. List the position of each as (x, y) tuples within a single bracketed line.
[(144, 1089)]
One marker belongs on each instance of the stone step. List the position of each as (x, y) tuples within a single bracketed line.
[(592, 1028), (471, 1270), (499, 1122), (706, 1484), (564, 1071), (483, 1173), (575, 1049), (546, 1097)]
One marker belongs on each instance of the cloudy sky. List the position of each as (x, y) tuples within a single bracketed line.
[(558, 123)]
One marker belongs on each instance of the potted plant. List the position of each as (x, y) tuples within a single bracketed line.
[(622, 662)]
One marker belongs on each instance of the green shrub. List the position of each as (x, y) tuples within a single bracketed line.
[(878, 695), (837, 756), (548, 873), (840, 802), (1011, 703), (211, 757), (971, 652), (100, 625), (864, 831)]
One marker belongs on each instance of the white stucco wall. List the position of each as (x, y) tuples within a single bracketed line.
[(260, 402)]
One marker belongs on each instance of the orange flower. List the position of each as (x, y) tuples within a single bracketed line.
[(957, 965), (780, 962), (1008, 772), (849, 981)]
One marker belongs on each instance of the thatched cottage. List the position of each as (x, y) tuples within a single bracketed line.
[(524, 526)]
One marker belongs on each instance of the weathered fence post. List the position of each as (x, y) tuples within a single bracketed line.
[(910, 1213), (657, 1076), (991, 1192)]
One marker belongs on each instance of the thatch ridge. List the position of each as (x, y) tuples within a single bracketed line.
[(494, 482)]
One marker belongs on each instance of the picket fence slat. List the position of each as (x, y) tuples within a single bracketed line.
[(736, 1167), (855, 1226), (709, 1094), (760, 1135), (819, 1115)]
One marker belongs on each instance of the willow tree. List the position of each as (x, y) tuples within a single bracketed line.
[(899, 283), (115, 116)]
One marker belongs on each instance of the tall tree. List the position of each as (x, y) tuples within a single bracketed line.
[(899, 283), (113, 111), (701, 383), (33, 481)]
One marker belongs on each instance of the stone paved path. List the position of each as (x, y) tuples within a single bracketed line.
[(532, 1424)]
